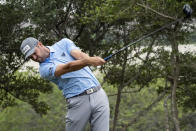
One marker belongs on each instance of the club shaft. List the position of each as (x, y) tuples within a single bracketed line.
[(143, 37)]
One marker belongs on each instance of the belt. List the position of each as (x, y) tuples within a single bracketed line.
[(89, 91)]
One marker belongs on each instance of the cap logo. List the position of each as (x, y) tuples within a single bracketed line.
[(26, 49)]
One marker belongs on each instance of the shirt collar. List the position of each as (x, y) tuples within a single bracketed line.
[(51, 49)]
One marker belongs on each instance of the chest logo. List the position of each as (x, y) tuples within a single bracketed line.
[(63, 54)]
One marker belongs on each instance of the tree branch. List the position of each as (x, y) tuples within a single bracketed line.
[(127, 92), (156, 12)]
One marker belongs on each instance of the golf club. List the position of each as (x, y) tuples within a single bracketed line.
[(187, 11)]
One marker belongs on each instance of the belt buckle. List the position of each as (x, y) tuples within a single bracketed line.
[(89, 91)]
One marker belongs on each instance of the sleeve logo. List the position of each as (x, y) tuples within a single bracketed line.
[(50, 71)]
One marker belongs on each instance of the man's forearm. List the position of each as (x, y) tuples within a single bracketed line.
[(71, 66), (78, 64)]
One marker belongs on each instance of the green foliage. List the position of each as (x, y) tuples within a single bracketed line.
[(187, 92), (22, 117), (26, 88), (192, 38), (109, 11), (17, 85), (134, 101)]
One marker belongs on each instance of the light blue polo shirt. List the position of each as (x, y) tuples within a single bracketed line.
[(72, 83)]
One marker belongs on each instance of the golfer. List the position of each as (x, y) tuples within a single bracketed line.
[(67, 66)]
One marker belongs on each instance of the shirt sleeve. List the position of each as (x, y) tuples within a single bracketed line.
[(47, 71), (69, 45)]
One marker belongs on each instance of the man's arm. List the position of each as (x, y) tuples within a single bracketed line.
[(82, 61), (78, 54)]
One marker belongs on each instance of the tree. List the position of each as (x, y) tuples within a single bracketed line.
[(147, 20), (13, 84)]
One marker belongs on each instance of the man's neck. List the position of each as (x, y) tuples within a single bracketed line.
[(47, 50)]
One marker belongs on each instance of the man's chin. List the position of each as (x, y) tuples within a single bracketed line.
[(40, 60)]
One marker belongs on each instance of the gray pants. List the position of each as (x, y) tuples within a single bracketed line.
[(93, 108)]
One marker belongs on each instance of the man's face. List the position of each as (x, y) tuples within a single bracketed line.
[(38, 55)]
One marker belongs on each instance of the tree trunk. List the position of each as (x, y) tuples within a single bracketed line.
[(175, 75), (119, 93), (117, 108), (167, 126)]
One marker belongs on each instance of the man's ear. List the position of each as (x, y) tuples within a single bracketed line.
[(39, 44)]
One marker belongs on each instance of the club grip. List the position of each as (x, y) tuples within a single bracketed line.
[(108, 57)]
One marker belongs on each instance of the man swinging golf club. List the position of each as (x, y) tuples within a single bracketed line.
[(64, 64)]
